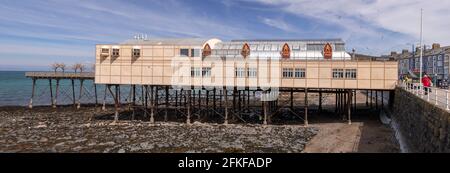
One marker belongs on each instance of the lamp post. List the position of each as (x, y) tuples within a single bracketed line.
[(421, 48)]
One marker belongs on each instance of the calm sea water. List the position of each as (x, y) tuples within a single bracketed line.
[(15, 90)]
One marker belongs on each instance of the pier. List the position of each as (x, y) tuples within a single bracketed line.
[(57, 77)]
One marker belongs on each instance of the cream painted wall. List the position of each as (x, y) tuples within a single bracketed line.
[(155, 67)]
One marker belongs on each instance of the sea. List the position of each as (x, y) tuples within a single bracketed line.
[(15, 90)]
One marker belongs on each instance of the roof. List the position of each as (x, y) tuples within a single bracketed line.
[(299, 49), (305, 41), (428, 52), (276, 45), (168, 41)]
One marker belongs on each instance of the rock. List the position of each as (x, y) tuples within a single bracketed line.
[(121, 151), (43, 139), (41, 126), (78, 148)]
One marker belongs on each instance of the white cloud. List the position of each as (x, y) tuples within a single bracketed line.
[(277, 23), (372, 18)]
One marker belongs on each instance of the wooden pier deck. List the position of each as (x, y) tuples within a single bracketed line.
[(61, 75)]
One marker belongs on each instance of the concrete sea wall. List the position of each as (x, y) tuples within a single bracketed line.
[(424, 126)]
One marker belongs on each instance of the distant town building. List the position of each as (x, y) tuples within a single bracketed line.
[(435, 62)]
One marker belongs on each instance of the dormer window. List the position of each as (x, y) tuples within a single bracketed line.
[(105, 52), (136, 52), (115, 52)]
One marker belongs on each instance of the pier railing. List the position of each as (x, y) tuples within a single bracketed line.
[(436, 96), (65, 75)]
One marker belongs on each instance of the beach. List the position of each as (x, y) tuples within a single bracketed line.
[(89, 129), (65, 129)]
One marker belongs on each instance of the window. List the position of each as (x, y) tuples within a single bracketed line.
[(115, 52), (300, 73), (195, 52), (252, 72), (260, 47), (239, 72), (267, 47), (195, 72), (105, 50), (350, 73), (287, 72), (274, 47), (206, 71), (136, 52), (338, 73), (184, 52)]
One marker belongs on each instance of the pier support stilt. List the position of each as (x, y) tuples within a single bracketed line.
[(292, 100), (320, 101), (188, 118), (104, 97), (51, 92), (133, 89), (144, 98), (214, 99), (56, 93), (95, 94), (152, 104), (80, 94), (336, 101), (166, 111), (73, 93), (116, 101), (264, 104), (367, 98), (306, 107), (376, 100), (32, 94), (350, 92), (225, 94)]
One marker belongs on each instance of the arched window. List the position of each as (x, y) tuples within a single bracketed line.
[(286, 51), (245, 50), (206, 51), (327, 51)]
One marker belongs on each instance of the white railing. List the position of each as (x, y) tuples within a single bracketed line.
[(436, 96)]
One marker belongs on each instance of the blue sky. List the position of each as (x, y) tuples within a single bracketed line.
[(34, 33)]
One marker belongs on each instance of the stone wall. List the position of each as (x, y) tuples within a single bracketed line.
[(424, 126)]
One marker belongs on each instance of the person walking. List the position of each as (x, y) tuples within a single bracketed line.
[(426, 81)]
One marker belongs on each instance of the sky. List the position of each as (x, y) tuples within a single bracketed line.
[(34, 34)]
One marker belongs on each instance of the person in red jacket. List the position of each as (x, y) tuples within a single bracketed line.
[(426, 82)]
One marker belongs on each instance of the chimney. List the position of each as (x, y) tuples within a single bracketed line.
[(404, 51), (436, 46)]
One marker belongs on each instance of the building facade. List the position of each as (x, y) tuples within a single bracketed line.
[(435, 62), (240, 63)]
